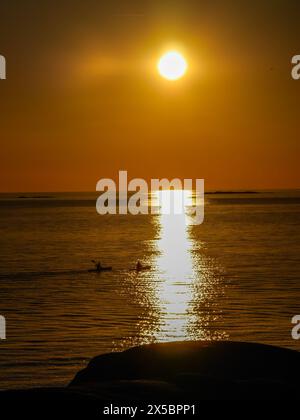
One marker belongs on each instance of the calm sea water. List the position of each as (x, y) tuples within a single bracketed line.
[(236, 276)]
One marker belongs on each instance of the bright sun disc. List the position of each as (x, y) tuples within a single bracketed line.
[(172, 65)]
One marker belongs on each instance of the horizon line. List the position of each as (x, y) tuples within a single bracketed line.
[(210, 190)]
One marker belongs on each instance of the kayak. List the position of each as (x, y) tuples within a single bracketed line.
[(94, 270), (145, 267)]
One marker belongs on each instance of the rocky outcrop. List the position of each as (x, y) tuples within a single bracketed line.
[(206, 370), (174, 373)]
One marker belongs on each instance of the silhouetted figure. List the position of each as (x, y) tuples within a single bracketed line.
[(98, 265), (139, 265)]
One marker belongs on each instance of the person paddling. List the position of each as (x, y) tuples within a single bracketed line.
[(140, 266), (98, 265)]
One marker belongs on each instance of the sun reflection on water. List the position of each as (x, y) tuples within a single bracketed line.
[(174, 265), (179, 295)]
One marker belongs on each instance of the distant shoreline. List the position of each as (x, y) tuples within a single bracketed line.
[(52, 194), (208, 192), (233, 192)]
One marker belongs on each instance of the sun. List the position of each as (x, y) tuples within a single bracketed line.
[(172, 65)]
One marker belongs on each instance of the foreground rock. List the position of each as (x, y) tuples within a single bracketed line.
[(177, 372), (177, 361)]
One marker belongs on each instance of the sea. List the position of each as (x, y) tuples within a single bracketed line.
[(236, 276)]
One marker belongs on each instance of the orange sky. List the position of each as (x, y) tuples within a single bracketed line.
[(83, 99)]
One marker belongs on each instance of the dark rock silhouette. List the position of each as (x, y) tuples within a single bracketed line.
[(175, 372), (214, 359)]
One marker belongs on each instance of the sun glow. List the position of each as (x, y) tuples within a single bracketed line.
[(172, 65)]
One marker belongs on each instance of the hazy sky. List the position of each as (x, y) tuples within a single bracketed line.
[(83, 99)]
